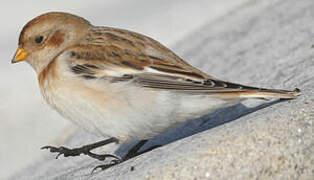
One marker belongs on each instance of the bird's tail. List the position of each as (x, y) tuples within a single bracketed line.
[(252, 92), (270, 93)]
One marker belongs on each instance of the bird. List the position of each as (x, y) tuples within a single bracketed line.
[(119, 84)]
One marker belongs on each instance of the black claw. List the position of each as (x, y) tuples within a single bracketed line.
[(45, 147), (106, 166), (100, 157), (53, 149), (94, 169), (58, 155)]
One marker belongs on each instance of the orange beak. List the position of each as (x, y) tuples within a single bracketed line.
[(20, 55)]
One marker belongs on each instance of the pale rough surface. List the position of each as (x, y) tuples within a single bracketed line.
[(267, 44)]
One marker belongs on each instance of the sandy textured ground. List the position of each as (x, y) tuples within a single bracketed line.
[(262, 43)]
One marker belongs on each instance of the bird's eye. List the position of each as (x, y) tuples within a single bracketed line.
[(39, 39)]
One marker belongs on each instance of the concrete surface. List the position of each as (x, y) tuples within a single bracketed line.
[(264, 43)]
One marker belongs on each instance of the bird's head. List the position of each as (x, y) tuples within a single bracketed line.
[(45, 36)]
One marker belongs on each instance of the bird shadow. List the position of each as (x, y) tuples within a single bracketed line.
[(195, 126)]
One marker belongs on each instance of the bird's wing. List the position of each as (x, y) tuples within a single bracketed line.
[(134, 43), (114, 64), (119, 55)]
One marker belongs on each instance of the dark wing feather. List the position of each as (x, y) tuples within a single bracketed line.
[(166, 82)]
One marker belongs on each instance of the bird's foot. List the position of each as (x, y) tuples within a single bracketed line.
[(83, 150)]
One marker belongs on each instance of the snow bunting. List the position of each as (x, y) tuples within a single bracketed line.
[(120, 84)]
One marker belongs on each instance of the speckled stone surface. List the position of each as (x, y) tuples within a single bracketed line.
[(263, 43)]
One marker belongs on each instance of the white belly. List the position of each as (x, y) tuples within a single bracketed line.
[(126, 112)]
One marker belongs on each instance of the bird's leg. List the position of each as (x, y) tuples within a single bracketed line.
[(84, 150), (133, 152)]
